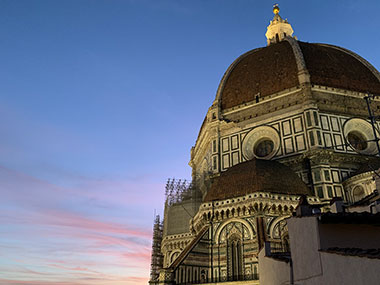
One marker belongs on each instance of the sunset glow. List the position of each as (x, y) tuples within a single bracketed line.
[(101, 102)]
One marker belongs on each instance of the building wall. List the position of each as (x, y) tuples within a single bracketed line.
[(304, 245), (177, 217), (298, 131), (238, 229), (273, 272), (306, 118), (340, 269), (314, 267), (300, 126)]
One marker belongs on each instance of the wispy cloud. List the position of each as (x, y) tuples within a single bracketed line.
[(48, 241), (82, 281)]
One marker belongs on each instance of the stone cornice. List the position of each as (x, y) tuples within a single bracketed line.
[(337, 91), (359, 178), (328, 156), (263, 100), (172, 241)]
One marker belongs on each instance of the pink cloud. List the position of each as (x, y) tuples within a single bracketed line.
[(62, 246), (75, 225), (122, 281), (16, 185), (76, 268), (74, 220), (91, 281), (39, 282), (22, 270)]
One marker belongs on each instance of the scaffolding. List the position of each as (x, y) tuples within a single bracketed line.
[(177, 191), (157, 257)]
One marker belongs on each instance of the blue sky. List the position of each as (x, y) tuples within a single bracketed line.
[(100, 103)]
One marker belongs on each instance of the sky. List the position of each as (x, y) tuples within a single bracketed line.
[(101, 102)]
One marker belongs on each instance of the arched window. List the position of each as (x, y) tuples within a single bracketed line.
[(277, 38), (203, 276), (231, 239), (235, 258), (358, 193)]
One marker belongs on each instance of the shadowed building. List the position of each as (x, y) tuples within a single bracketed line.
[(329, 248), (288, 119)]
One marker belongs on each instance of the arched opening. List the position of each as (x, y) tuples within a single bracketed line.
[(358, 193), (203, 276), (235, 258), (277, 38)]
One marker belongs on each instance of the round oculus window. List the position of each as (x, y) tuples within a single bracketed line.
[(358, 134), (357, 140), (262, 142), (263, 148)]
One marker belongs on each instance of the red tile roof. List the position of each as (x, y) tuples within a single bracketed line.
[(256, 176), (265, 70), (331, 66), (272, 69)]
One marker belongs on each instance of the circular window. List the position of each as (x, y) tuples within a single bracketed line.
[(262, 142), (357, 140), (264, 147), (358, 134)]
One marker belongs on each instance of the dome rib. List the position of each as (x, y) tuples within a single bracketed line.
[(260, 72), (336, 67)]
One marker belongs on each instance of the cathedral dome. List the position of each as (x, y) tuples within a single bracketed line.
[(265, 71), (256, 175)]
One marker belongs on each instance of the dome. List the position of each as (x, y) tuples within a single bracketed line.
[(265, 71), (256, 175)]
